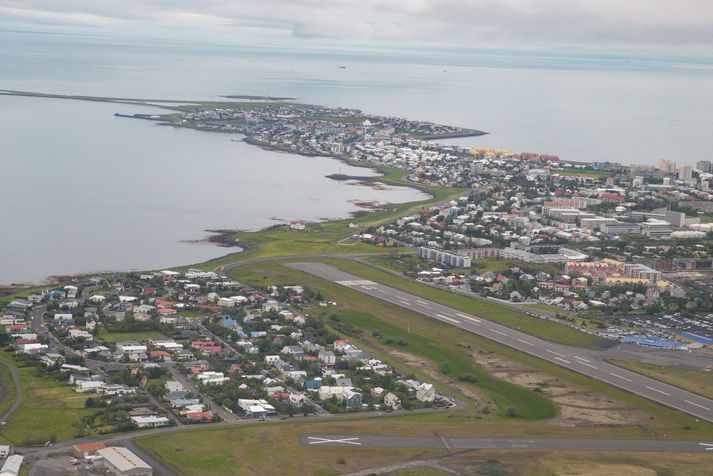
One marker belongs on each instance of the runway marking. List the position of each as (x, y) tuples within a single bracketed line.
[(554, 353), (561, 359), (657, 390), (423, 303), (405, 303), (708, 446), (619, 376), (346, 441), (359, 282), (471, 319), (697, 405), (581, 358), (465, 316), (498, 332), (525, 342), (446, 318), (589, 365)]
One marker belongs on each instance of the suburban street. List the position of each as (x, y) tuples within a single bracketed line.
[(584, 361)]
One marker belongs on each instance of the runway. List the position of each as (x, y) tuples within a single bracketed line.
[(583, 361), (460, 443)]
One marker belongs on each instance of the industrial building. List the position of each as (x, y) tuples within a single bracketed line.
[(121, 461), (12, 466)]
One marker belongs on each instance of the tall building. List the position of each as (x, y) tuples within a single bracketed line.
[(667, 166), (705, 166), (685, 173)]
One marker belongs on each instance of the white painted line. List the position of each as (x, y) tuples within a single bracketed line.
[(423, 303), (561, 359), (460, 314), (619, 376), (346, 441), (697, 405), (405, 303), (708, 446), (581, 358), (498, 332), (471, 319), (589, 365), (657, 390), (446, 318), (554, 353), (525, 342)]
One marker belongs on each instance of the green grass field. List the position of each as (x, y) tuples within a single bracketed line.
[(50, 410), (481, 307), (114, 337), (582, 173)]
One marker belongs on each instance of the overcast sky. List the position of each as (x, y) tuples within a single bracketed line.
[(669, 26)]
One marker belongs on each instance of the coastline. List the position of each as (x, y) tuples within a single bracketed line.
[(222, 238)]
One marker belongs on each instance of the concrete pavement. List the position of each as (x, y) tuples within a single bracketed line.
[(505, 443), (584, 361)]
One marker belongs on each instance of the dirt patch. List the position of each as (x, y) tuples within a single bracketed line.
[(429, 368), (576, 406)]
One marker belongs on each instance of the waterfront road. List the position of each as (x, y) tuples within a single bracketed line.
[(472, 443), (583, 361)]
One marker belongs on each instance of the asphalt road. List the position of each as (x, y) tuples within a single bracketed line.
[(505, 443), (583, 361)]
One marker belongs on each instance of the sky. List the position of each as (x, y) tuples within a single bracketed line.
[(683, 27)]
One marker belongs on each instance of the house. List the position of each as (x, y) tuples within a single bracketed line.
[(425, 392), (121, 461), (82, 450), (150, 421), (348, 396), (392, 401), (327, 357), (256, 408)]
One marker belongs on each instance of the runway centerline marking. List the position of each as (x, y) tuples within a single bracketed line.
[(346, 441), (525, 342), (554, 353), (498, 332), (657, 390), (589, 365), (561, 359), (697, 405), (581, 358), (619, 376)]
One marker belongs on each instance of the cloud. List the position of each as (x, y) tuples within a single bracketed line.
[(605, 24)]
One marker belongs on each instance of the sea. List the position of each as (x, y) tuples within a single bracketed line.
[(83, 191)]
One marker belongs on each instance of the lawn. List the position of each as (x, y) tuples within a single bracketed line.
[(481, 307), (266, 449), (50, 410), (8, 389), (143, 336), (570, 172), (448, 340), (698, 381)]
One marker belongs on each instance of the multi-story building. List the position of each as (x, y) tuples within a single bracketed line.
[(446, 258)]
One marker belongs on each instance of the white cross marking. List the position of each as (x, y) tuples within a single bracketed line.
[(346, 441)]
